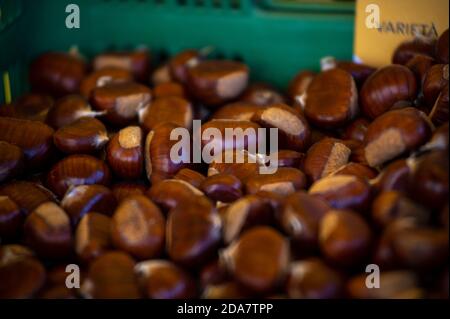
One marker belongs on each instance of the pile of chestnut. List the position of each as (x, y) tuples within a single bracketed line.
[(87, 180)]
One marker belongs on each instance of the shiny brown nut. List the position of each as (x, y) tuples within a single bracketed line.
[(230, 130), (86, 135), (92, 236), (69, 109), (394, 133), (360, 72), (161, 75), (312, 279), (102, 77), (440, 112), (111, 276), (222, 187), (168, 89), (391, 205), (21, 278), (419, 65), (11, 161), (77, 170), (137, 227), (386, 87), (299, 84), (331, 99), (293, 130), (126, 189), (159, 164), (435, 80), (226, 290), (261, 94), (357, 169), (259, 259), (12, 252), (242, 165), (47, 230), (11, 217), (137, 62), (27, 195), (285, 181), (325, 157), (190, 176), (289, 158), (57, 73), (439, 140), (344, 237), (193, 233), (33, 137), (172, 193), (429, 181), (343, 192), (300, 218), (247, 212), (161, 279), (441, 49), (170, 109), (398, 284), (121, 101), (241, 111), (213, 273), (125, 153), (356, 130), (411, 48), (395, 176), (421, 247), (178, 65), (32, 106), (215, 82), (82, 199)]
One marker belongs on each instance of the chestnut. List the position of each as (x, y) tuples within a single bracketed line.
[(441, 49), (325, 157), (170, 109), (11, 217), (102, 77), (261, 94), (111, 276), (247, 212), (409, 49), (394, 133), (390, 205), (226, 290), (299, 84), (161, 279), (241, 111), (434, 82), (419, 65), (300, 217), (293, 129), (360, 72), (33, 137), (137, 62), (126, 189), (86, 135), (77, 170), (180, 63), (121, 101), (289, 158), (190, 176), (222, 187), (57, 73), (48, 231), (284, 181), (137, 227), (81, 199), (169, 89), (69, 109), (214, 82), (11, 161), (356, 130), (386, 87), (193, 233), (394, 176), (312, 279), (125, 153), (213, 273), (357, 169), (32, 106), (161, 75), (440, 112), (344, 237), (92, 236), (259, 259), (331, 99), (27, 195)]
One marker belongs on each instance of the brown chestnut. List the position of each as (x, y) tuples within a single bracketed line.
[(190, 176), (32, 106), (168, 89), (440, 112), (241, 111), (126, 189), (356, 130), (441, 49), (222, 187), (284, 181), (261, 94), (299, 84), (435, 80), (178, 65), (11, 217), (102, 77), (11, 161), (357, 169)]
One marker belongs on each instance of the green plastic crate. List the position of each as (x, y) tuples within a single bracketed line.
[(276, 38)]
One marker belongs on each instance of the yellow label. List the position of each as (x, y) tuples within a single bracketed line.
[(381, 25)]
